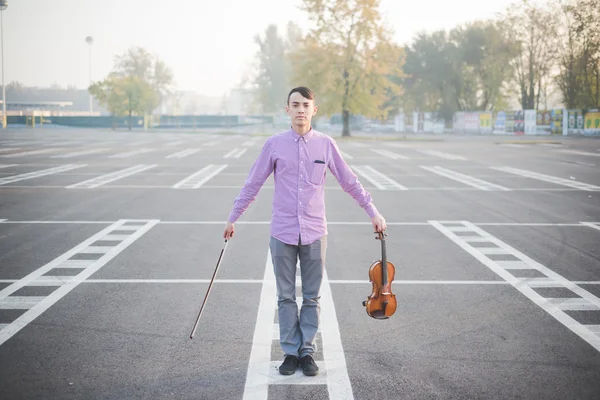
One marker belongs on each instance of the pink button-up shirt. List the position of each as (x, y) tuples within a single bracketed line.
[(299, 165)]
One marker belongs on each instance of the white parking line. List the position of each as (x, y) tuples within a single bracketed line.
[(184, 153), (399, 145), (199, 178), (441, 154), (262, 371), (393, 223), (132, 153), (9, 149), (550, 144), (338, 381), (141, 142), (22, 143), (79, 153), (581, 153), (251, 142), (592, 225), (259, 364), (175, 143), (110, 177), (7, 165), (549, 178), (37, 174), (19, 302), (45, 302), (379, 180), (553, 306), (235, 153), (328, 188), (31, 152), (47, 280), (389, 154), (466, 179)]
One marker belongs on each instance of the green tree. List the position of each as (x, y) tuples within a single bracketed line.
[(139, 97), (149, 68), (468, 68), (348, 58), (486, 56), (125, 96), (433, 75), (109, 95), (137, 84)]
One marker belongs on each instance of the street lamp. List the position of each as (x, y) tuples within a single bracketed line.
[(89, 40), (3, 6)]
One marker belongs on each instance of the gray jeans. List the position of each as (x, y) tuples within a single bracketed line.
[(297, 333)]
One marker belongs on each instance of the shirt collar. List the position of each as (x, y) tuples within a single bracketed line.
[(306, 136)]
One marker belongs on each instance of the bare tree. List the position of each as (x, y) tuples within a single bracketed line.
[(533, 28)]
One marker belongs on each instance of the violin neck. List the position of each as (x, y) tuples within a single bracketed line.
[(384, 261)]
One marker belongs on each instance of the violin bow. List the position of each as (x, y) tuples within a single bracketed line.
[(208, 291)]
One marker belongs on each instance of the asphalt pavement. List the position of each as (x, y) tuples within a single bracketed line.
[(108, 242)]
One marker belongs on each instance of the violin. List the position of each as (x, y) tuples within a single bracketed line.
[(381, 303)]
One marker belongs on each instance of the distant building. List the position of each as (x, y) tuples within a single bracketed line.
[(189, 103), (239, 102), (45, 108)]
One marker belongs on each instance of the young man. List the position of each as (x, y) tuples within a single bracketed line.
[(299, 158)]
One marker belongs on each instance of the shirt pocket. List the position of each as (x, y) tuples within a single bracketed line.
[(317, 174)]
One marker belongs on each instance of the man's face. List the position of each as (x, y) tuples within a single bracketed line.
[(300, 109)]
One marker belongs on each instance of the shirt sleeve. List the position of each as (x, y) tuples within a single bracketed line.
[(260, 171), (349, 181)]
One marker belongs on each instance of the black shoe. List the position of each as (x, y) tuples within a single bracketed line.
[(308, 366), (289, 366)]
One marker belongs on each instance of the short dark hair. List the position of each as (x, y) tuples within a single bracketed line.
[(304, 91)]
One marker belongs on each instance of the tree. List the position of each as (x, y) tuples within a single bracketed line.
[(125, 95), (272, 80), (569, 56), (533, 27), (150, 69), (109, 94), (139, 97), (294, 37), (434, 81), (486, 55), (586, 18), (137, 85), (348, 58)]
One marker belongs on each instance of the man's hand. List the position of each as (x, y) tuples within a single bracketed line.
[(229, 231), (379, 223)]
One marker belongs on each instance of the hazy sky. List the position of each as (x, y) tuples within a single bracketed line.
[(208, 44)]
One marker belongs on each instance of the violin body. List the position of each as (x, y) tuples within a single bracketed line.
[(381, 303)]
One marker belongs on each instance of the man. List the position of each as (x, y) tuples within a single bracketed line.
[(299, 158)]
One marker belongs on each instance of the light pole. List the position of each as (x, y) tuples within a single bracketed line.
[(3, 6), (89, 40)]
